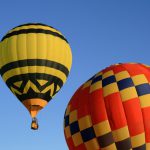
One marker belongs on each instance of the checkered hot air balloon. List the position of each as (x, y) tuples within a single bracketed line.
[(111, 111), (35, 60)]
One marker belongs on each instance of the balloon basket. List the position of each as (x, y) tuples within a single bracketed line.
[(34, 124)]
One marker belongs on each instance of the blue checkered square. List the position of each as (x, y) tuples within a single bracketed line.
[(143, 89), (125, 83), (74, 127)]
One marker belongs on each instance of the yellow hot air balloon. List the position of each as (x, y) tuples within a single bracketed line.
[(35, 62)]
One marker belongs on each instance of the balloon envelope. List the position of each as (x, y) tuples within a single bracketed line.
[(35, 62), (111, 111)]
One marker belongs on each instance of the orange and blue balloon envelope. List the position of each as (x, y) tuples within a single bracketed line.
[(35, 60), (111, 111)]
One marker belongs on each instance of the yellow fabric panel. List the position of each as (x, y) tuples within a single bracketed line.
[(92, 144), (96, 86), (102, 128), (122, 75), (30, 85), (87, 84), (35, 27), (77, 139), (110, 147), (144, 100), (41, 45), (120, 134), (69, 57), (67, 132), (15, 91), (36, 46), (0, 55), (22, 46), (139, 79), (110, 89), (18, 84), (147, 146), (138, 140), (73, 116), (58, 50), (85, 122), (49, 88), (57, 89), (128, 93), (35, 69), (31, 46), (6, 53), (42, 82), (108, 74)]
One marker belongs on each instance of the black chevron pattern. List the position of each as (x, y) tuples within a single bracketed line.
[(30, 87)]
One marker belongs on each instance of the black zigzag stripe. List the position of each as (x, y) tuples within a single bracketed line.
[(34, 62), (31, 93), (36, 83), (31, 76)]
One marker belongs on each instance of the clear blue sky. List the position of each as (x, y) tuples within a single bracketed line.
[(100, 32)]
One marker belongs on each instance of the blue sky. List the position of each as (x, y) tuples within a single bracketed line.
[(100, 32)]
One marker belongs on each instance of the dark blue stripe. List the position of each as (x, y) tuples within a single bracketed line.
[(66, 120), (88, 134), (124, 144), (108, 80), (125, 83), (105, 140), (143, 89), (142, 147), (74, 127), (97, 79)]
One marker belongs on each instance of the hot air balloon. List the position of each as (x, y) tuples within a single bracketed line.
[(35, 62), (111, 111)]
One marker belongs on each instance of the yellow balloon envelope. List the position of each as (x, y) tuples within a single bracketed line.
[(35, 62)]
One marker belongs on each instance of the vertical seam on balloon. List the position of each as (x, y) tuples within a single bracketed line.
[(77, 115), (105, 107), (36, 59), (27, 61), (140, 65), (35, 56), (46, 49), (52, 53), (91, 113), (18, 57), (138, 98), (58, 56), (2, 49), (0, 56), (123, 106), (65, 56), (106, 114)]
